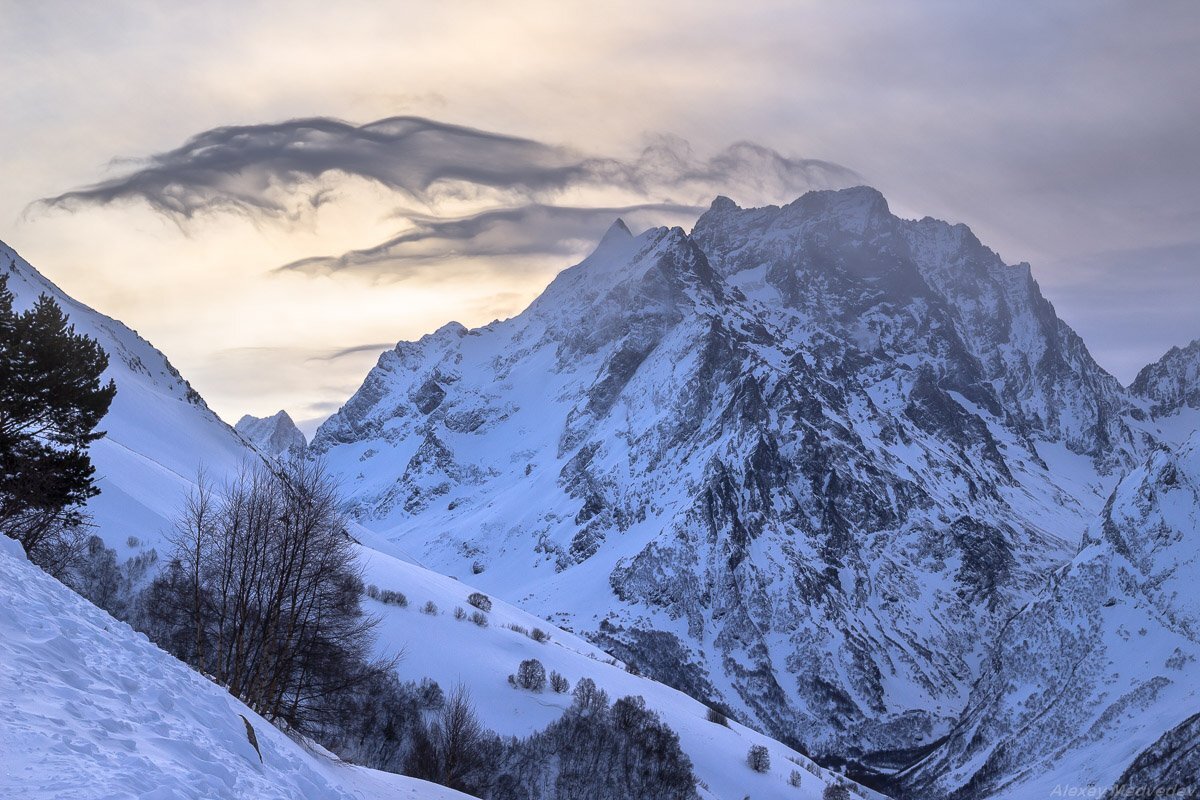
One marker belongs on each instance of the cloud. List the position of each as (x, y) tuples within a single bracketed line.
[(528, 230), (334, 355), (276, 170)]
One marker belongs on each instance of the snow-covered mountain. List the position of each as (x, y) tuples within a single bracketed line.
[(1173, 382), (1094, 683), (274, 436), (159, 432), (803, 462), (924, 293)]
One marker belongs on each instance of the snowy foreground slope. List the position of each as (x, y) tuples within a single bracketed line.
[(1094, 684), (158, 433), (91, 709)]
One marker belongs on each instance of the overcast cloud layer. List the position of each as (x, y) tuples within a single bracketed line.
[(216, 143)]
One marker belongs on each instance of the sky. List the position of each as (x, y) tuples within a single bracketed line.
[(274, 193)]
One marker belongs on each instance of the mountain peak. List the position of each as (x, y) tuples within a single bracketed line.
[(1172, 382), (723, 203), (857, 202), (275, 435), (618, 230)]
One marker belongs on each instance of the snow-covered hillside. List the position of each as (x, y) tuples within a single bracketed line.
[(454, 651), (804, 461), (158, 431), (91, 709), (1101, 667)]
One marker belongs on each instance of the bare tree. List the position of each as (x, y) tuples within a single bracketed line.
[(271, 589), (453, 749)]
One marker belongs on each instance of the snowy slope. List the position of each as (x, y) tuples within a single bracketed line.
[(804, 461), (458, 651), (91, 709), (1101, 666), (158, 431)]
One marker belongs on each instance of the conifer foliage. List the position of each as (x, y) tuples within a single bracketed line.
[(51, 400)]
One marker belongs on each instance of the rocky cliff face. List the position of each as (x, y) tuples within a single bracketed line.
[(1173, 382), (925, 293), (1093, 684), (803, 462)]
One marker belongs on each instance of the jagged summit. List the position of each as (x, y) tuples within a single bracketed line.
[(276, 435), (722, 203), (617, 230)]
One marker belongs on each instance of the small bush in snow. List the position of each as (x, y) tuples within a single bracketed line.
[(758, 758), (795, 778), (459, 613), (717, 717), (393, 598), (387, 596), (430, 607), (477, 567), (480, 601), (479, 618), (133, 541), (519, 629), (530, 675), (539, 635), (559, 683)]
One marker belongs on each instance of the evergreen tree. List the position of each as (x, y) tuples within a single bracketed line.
[(51, 400)]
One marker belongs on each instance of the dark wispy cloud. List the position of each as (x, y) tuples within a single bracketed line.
[(278, 169), (334, 355), (534, 229)]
